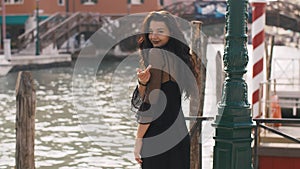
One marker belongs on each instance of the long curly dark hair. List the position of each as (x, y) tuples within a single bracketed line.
[(177, 43)]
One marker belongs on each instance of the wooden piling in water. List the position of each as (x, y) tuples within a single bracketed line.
[(25, 121), (269, 57), (220, 76), (198, 52)]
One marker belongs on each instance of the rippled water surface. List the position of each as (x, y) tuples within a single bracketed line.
[(83, 120), (61, 138)]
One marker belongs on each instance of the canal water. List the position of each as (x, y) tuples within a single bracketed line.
[(84, 120)]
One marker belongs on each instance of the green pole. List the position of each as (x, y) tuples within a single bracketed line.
[(233, 122), (37, 42), (67, 6)]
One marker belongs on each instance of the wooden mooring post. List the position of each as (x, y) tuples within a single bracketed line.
[(25, 121), (198, 52), (269, 58), (220, 76)]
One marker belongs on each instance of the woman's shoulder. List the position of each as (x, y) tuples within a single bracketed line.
[(156, 56), (155, 51)]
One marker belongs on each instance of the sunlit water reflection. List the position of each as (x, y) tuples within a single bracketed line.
[(90, 126)]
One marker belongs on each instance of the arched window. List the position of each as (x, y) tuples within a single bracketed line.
[(61, 2)]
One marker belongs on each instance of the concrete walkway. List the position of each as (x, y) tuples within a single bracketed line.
[(6, 66)]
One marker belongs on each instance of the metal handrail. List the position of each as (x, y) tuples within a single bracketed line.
[(274, 120), (280, 133), (271, 120), (198, 124), (29, 36), (198, 119)]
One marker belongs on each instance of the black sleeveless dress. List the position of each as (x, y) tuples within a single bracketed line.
[(178, 156), (166, 143)]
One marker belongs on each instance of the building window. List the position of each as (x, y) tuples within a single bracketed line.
[(13, 1), (89, 2), (161, 2), (135, 2), (61, 2)]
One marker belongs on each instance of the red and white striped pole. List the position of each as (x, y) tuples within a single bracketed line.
[(258, 39)]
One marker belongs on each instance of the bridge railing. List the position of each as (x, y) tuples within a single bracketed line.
[(30, 35), (59, 30), (279, 13), (283, 14)]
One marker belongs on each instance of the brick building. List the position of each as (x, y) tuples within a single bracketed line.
[(20, 14)]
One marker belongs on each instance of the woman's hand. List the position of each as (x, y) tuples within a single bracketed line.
[(137, 150), (143, 75)]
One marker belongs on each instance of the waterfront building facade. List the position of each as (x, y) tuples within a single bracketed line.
[(20, 15)]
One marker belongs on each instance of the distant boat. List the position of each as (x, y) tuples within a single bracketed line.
[(216, 10)]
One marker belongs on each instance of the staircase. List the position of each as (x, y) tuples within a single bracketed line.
[(26, 40), (57, 29)]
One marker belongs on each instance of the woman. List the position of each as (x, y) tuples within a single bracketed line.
[(162, 140)]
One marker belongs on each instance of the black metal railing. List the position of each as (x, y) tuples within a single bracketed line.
[(259, 123)]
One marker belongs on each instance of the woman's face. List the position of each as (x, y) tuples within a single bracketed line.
[(158, 33)]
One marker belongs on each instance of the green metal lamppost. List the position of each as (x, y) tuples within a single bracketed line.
[(233, 122), (37, 42), (68, 35)]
